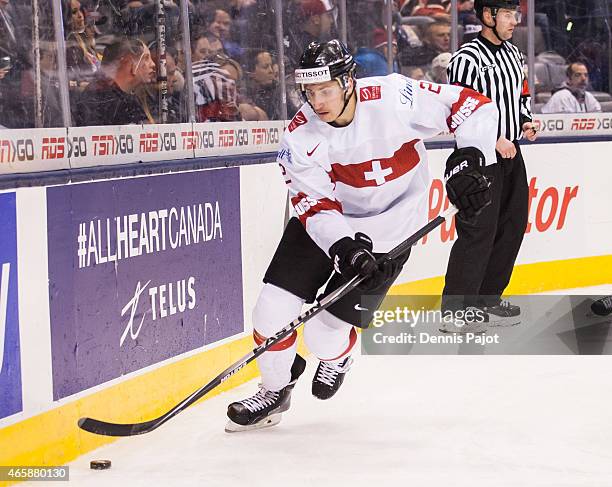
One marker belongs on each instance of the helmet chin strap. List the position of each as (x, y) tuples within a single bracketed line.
[(494, 28)]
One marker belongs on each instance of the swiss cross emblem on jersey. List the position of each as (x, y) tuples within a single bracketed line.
[(378, 174), (368, 93), (379, 171)]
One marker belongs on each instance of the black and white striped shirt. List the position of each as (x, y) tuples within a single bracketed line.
[(212, 83), (496, 72)]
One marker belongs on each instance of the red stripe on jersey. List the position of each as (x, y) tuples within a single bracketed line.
[(469, 101), (282, 345), (352, 341), (378, 171), (306, 206)]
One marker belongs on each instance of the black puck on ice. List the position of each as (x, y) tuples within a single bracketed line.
[(100, 464)]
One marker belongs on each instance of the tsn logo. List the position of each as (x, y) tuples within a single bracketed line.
[(304, 205), (10, 151)]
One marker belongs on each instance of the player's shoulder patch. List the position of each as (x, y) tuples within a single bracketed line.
[(298, 119), (370, 93)]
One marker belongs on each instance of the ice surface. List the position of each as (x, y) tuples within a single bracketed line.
[(428, 421)]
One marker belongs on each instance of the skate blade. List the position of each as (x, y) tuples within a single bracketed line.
[(591, 315), (271, 420), (504, 322)]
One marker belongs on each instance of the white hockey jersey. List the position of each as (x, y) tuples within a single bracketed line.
[(372, 176)]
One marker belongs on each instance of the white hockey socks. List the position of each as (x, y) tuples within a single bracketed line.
[(275, 308), (329, 338)]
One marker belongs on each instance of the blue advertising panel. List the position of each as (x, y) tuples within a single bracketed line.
[(141, 270), (10, 361)]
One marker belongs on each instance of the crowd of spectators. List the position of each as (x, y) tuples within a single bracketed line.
[(571, 39), (113, 62)]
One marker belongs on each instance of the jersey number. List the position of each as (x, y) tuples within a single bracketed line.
[(426, 85), (284, 171)]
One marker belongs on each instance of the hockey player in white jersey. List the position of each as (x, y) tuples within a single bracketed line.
[(355, 164)]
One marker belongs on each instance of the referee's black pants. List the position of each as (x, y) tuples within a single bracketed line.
[(483, 256)]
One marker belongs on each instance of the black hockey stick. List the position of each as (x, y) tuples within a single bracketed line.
[(114, 429)]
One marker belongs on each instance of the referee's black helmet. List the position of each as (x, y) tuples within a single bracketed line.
[(479, 5)]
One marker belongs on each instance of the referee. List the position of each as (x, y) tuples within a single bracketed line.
[(483, 256)]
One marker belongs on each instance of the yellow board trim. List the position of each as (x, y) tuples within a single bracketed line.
[(53, 438), (532, 278)]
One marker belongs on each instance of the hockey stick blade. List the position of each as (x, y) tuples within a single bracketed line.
[(130, 429)]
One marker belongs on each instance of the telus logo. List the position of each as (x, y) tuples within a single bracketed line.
[(166, 300), (4, 286), (132, 306)]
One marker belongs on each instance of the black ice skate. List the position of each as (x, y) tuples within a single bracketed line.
[(503, 314), (263, 409), (603, 306), (470, 320), (329, 377)]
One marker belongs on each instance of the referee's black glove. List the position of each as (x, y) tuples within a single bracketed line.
[(467, 187), (353, 257)]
